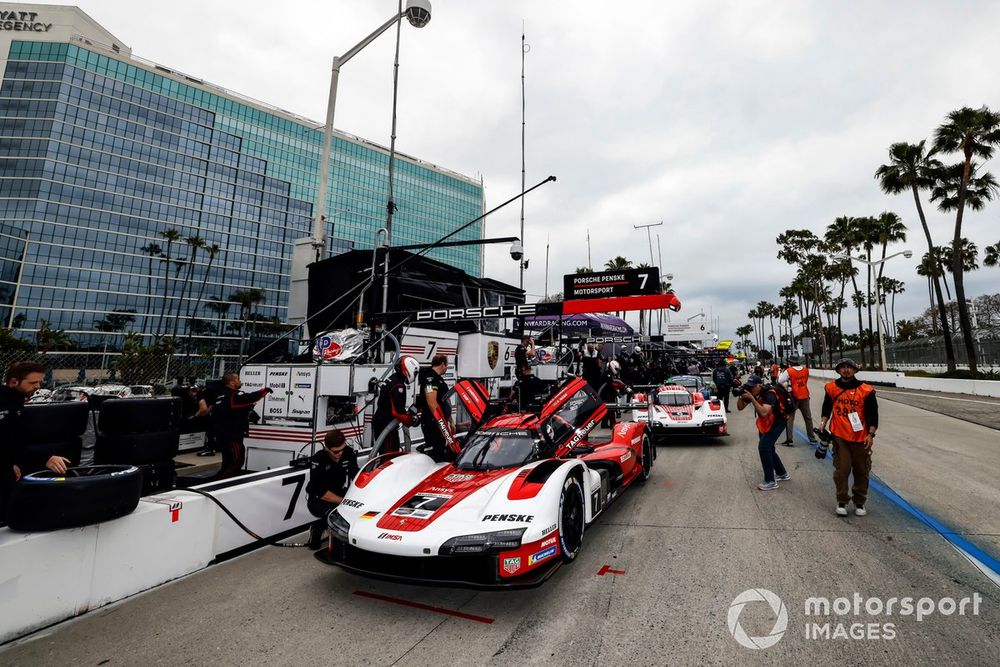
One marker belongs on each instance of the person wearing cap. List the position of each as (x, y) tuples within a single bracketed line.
[(770, 426), (851, 410), (330, 473), (795, 379)]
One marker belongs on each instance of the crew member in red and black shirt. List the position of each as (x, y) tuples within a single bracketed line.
[(230, 422), (392, 404)]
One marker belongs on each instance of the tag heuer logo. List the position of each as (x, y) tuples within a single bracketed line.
[(511, 565)]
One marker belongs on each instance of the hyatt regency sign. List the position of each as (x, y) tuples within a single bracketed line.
[(22, 22)]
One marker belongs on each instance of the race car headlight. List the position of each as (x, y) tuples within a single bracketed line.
[(339, 527), (480, 543)]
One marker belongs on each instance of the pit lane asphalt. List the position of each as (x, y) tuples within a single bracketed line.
[(690, 540)]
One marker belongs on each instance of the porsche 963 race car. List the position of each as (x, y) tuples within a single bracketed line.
[(507, 513), (675, 410)]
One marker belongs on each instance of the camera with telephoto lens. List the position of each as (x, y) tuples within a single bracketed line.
[(740, 390), (825, 437)]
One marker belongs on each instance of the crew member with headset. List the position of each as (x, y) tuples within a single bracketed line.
[(330, 475), (851, 409), (435, 412), (392, 404), (230, 422)]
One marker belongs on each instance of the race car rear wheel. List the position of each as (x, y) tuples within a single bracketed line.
[(648, 454), (571, 518)]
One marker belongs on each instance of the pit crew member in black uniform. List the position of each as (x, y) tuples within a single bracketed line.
[(392, 404), (330, 474), (20, 382), (230, 422), (435, 412), (523, 355)]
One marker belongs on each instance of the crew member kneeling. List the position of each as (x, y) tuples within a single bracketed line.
[(331, 473), (852, 411)]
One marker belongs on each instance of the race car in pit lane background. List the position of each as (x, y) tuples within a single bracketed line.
[(676, 410), (507, 513)]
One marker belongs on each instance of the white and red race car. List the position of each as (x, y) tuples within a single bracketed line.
[(507, 513), (674, 410)]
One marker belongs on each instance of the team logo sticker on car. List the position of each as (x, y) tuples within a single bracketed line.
[(458, 477), (511, 565)]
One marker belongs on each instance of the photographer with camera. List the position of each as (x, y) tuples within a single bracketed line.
[(851, 409), (770, 425)]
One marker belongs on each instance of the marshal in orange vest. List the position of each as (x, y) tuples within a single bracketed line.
[(845, 402), (799, 379)]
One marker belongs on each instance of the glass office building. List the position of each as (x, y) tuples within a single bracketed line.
[(134, 198)]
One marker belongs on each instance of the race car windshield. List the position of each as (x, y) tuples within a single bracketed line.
[(491, 450), (674, 398)]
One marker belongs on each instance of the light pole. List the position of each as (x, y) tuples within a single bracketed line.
[(418, 13), (878, 296), (652, 262)]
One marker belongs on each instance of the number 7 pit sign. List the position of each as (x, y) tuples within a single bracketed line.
[(627, 282)]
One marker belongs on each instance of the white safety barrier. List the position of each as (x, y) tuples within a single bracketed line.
[(901, 380), (48, 577)]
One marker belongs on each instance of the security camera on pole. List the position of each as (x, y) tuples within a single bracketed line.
[(418, 13)]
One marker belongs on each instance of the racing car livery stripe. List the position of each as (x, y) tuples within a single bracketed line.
[(455, 492)]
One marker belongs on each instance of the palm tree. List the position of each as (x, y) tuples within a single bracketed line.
[(992, 255), (744, 334), (973, 133), (583, 269), (171, 236), (195, 243), (618, 264), (212, 251), (844, 234), (930, 268), (969, 259), (891, 287), (248, 300), (220, 308), (153, 250), (911, 167)]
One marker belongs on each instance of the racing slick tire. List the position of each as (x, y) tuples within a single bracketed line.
[(89, 494), (571, 518), (648, 456)]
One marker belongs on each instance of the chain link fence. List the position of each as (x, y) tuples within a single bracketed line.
[(144, 367), (929, 352)]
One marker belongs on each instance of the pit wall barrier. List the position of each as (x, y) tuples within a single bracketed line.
[(902, 381), (48, 577)]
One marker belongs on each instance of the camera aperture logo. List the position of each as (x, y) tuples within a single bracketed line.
[(780, 622)]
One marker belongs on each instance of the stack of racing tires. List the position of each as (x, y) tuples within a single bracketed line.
[(144, 433)]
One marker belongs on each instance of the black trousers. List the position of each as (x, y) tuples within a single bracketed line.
[(434, 444), (234, 454), (724, 394)]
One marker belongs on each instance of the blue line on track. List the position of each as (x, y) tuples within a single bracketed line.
[(949, 534)]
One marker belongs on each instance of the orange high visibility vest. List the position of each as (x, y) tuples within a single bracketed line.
[(799, 379), (844, 403)]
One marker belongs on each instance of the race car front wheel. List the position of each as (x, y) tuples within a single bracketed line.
[(571, 518)]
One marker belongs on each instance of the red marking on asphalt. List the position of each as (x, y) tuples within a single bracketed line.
[(425, 607), (606, 569), (666, 484), (175, 515)]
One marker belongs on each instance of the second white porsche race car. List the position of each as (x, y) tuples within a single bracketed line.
[(673, 410)]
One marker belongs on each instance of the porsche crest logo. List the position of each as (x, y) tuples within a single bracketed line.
[(492, 353)]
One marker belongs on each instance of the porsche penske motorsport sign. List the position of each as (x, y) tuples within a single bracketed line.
[(627, 282)]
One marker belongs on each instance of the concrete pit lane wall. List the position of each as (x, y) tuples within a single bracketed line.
[(48, 577), (902, 381)]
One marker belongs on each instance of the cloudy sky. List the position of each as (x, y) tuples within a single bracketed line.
[(727, 121)]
